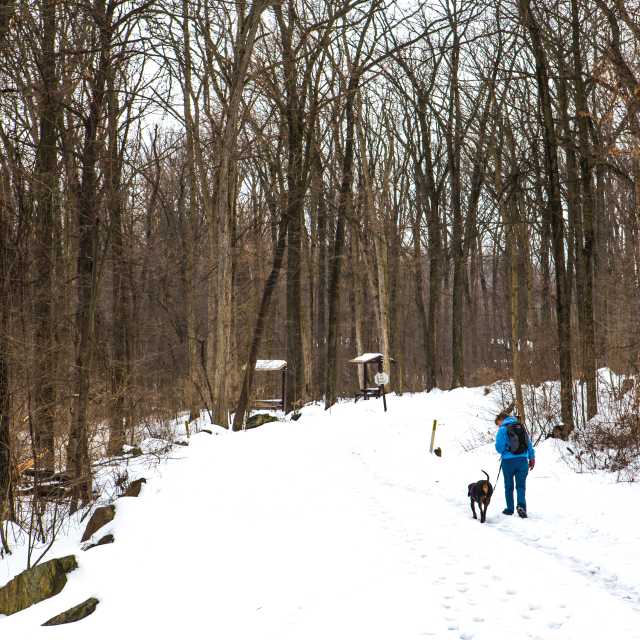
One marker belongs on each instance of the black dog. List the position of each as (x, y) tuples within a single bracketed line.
[(481, 493)]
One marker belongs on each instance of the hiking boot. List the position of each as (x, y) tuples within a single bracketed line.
[(506, 512), (522, 512)]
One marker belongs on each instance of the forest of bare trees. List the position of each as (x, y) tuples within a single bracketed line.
[(189, 185)]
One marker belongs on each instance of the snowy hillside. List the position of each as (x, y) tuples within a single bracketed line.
[(342, 526)]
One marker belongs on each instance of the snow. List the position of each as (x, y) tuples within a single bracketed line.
[(341, 525), (270, 365)]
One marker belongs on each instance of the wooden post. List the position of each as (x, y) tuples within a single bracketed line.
[(384, 397), (284, 389), (433, 436)]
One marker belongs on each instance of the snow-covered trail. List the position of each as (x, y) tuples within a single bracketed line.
[(343, 526)]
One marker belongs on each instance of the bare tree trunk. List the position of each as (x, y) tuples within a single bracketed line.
[(7, 8), (555, 208), (221, 229), (588, 209), (46, 188), (344, 208), (454, 146), (5, 398), (508, 210), (321, 321), (263, 312), (321, 290), (358, 296), (120, 330), (417, 267), (382, 264), (191, 342), (78, 461), (307, 317)]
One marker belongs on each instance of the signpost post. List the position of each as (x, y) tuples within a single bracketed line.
[(381, 378), (433, 435)]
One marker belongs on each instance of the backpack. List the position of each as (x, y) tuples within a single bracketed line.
[(517, 437)]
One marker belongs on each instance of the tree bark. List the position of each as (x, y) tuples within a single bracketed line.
[(454, 146), (78, 462), (344, 208), (588, 211), (191, 393), (46, 190), (120, 329)]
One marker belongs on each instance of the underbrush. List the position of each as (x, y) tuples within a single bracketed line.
[(610, 441), (42, 510)]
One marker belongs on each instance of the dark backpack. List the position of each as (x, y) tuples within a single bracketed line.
[(517, 436)]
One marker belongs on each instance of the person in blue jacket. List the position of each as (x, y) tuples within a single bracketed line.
[(514, 466)]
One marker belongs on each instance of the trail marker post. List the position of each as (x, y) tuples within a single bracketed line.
[(433, 435), (381, 378)]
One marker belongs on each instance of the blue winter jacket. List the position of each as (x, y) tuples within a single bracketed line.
[(502, 442)]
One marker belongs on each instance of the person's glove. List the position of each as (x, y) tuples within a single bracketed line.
[(532, 463)]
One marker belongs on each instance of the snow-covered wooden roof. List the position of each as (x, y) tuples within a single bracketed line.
[(271, 365), (366, 357)]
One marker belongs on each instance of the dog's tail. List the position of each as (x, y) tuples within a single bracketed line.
[(486, 474)]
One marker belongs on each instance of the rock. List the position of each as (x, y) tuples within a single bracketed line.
[(100, 517), (133, 490), (438, 452), (74, 614), (206, 431), (36, 584), (182, 443), (108, 539), (557, 431), (259, 419)]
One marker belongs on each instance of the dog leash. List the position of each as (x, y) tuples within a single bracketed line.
[(499, 470)]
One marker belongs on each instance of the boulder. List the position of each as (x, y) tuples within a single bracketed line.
[(36, 584), (108, 539), (133, 490), (100, 517), (74, 614), (259, 419)]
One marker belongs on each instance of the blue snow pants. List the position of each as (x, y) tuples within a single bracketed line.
[(515, 468)]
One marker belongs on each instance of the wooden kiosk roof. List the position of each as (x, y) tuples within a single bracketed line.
[(367, 358)]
